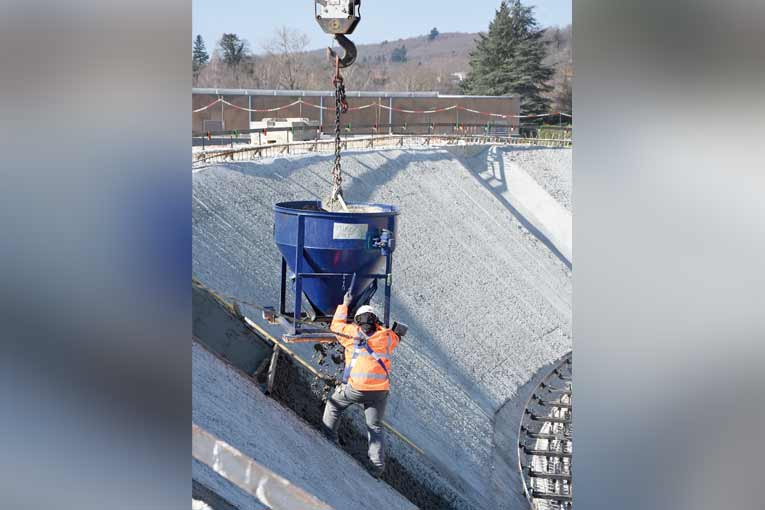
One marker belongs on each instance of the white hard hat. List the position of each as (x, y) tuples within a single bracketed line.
[(365, 309)]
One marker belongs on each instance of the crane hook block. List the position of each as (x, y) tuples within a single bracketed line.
[(338, 16), (350, 51)]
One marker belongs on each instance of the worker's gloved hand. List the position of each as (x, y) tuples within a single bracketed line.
[(347, 299)]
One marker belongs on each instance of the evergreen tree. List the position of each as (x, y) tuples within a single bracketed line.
[(508, 59), (199, 56), (233, 49), (434, 33), (399, 54)]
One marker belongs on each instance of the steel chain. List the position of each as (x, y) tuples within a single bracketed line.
[(341, 106)]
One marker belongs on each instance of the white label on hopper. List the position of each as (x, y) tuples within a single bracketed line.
[(350, 231)]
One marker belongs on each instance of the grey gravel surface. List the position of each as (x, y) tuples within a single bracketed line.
[(229, 406), (551, 167), (487, 303)]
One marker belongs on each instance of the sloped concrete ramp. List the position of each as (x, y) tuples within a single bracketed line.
[(487, 301), (540, 197), (232, 408)]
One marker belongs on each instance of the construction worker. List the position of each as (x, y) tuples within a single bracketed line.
[(366, 380)]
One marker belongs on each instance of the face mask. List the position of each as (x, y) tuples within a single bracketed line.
[(367, 322)]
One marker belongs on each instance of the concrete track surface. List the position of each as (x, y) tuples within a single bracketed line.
[(552, 169), (488, 303)]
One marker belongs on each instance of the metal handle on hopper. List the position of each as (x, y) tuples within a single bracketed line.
[(385, 242), (353, 283)]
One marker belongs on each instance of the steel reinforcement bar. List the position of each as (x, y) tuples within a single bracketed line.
[(545, 444)]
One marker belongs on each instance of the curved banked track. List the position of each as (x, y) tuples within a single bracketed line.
[(487, 303), (545, 448)]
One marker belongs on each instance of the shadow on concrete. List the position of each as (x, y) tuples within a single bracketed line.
[(488, 168), (264, 168), (360, 188), (356, 188)]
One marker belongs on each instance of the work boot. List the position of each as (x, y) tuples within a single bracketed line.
[(330, 435), (376, 471)]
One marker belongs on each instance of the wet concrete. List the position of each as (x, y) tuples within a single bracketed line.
[(228, 404), (215, 321), (411, 474), (406, 471)]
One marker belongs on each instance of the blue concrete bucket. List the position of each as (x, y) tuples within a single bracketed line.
[(324, 250)]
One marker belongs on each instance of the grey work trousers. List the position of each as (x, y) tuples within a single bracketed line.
[(374, 409)]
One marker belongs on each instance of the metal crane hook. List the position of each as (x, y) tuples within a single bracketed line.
[(350, 51)]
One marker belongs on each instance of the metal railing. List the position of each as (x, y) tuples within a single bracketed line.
[(229, 146)]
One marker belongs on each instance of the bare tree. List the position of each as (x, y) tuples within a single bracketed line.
[(563, 93), (287, 52), (218, 74), (560, 57), (439, 65)]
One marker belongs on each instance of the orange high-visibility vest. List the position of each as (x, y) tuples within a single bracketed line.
[(366, 373)]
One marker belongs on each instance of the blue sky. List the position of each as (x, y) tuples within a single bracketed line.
[(255, 20)]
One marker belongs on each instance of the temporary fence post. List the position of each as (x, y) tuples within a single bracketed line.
[(379, 114), (390, 115), (222, 116)]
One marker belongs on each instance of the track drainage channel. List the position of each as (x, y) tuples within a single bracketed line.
[(545, 441)]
